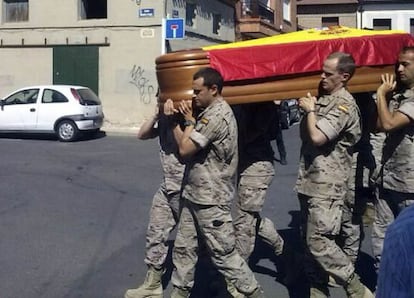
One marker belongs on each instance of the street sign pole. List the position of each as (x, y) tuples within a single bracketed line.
[(163, 37)]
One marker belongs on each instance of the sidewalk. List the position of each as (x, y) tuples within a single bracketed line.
[(120, 130)]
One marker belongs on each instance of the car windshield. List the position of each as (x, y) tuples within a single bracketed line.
[(22, 97), (88, 97)]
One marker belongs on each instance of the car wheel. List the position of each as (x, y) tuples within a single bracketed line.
[(67, 131)]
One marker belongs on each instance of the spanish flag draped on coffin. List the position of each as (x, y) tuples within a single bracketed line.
[(283, 66)]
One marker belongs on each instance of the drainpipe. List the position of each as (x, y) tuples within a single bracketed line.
[(360, 12), (163, 21), (238, 7)]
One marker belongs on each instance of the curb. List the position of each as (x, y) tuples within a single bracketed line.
[(126, 131)]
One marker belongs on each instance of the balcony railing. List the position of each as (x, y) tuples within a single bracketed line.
[(256, 9)]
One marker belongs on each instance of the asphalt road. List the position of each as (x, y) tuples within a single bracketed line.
[(73, 218)]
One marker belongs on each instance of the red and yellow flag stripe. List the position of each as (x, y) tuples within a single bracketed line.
[(304, 51)]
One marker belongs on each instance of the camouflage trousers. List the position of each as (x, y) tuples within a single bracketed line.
[(388, 205), (351, 234), (355, 205), (163, 219), (321, 223), (253, 184), (212, 225)]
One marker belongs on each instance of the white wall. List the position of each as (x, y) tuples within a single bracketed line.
[(127, 79), (400, 15), (203, 22), (24, 67)]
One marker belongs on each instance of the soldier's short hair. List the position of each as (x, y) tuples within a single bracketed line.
[(346, 63), (211, 77), (407, 49)]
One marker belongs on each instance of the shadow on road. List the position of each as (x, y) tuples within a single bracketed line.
[(87, 136), (109, 278)]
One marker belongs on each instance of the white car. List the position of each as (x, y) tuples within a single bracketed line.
[(61, 109)]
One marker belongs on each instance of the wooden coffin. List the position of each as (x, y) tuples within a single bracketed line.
[(255, 73)]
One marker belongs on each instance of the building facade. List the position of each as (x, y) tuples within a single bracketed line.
[(385, 15), (325, 13), (261, 18), (369, 14), (206, 22), (109, 46)]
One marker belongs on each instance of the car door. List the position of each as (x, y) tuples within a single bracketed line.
[(19, 110), (53, 105)]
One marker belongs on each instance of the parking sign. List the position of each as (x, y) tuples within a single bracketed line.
[(174, 28)]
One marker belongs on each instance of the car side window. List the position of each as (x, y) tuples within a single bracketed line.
[(53, 96), (27, 96)]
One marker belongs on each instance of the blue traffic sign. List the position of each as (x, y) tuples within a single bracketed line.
[(174, 28)]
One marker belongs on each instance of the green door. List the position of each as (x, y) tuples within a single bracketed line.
[(76, 65)]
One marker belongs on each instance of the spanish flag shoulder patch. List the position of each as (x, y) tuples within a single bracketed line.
[(204, 120), (343, 108)]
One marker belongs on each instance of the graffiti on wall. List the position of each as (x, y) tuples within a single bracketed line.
[(146, 91)]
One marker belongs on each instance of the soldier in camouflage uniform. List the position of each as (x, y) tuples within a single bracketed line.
[(329, 130), (359, 188), (256, 171), (396, 119), (209, 143), (378, 229), (165, 204), (351, 217)]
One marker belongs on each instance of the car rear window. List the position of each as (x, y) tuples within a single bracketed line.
[(88, 97)]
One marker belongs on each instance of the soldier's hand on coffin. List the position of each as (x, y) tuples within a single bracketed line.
[(388, 84), (186, 108), (169, 109), (307, 103)]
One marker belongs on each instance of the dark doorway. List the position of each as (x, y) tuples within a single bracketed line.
[(76, 65)]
